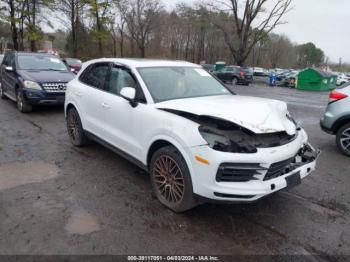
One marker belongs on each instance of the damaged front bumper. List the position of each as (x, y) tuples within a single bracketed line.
[(248, 177)]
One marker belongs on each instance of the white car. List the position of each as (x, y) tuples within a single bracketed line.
[(197, 139), (258, 71), (342, 79)]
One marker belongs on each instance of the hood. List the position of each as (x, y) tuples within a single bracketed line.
[(46, 76), (259, 115)]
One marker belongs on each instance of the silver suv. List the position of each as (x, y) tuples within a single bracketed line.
[(336, 120)]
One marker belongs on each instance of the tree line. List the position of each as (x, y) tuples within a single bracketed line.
[(235, 31)]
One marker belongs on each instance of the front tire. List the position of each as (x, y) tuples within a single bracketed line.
[(75, 129), (343, 139), (234, 81), (22, 105), (171, 179)]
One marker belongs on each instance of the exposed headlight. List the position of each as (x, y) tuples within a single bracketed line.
[(32, 85), (220, 141)]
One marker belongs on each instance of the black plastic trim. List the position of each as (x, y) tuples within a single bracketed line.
[(233, 196)]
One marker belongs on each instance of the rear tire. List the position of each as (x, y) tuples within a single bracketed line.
[(22, 105), (343, 139), (171, 179), (75, 129)]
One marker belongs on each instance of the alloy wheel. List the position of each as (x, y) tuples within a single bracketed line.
[(73, 126), (169, 179), (345, 139)]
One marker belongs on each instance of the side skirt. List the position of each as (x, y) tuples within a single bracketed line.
[(117, 150)]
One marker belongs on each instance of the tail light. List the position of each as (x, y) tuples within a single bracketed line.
[(241, 74), (336, 96)]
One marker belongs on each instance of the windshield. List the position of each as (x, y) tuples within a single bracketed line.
[(40, 62), (167, 83)]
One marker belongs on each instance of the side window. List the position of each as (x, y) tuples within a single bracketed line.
[(95, 75), (120, 78)]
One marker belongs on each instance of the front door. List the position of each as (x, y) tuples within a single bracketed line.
[(123, 120)]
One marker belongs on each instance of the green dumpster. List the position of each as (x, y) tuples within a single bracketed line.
[(316, 80)]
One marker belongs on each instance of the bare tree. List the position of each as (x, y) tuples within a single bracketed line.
[(250, 21), (141, 20), (118, 25), (99, 12), (9, 10), (70, 10)]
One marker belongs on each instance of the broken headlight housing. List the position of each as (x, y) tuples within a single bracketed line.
[(290, 118), (233, 141)]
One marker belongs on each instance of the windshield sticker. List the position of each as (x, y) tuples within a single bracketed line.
[(202, 72), (55, 60)]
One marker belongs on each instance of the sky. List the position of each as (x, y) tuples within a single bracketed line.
[(326, 23)]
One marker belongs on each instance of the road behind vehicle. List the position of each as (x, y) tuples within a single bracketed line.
[(336, 120), (33, 79), (235, 75), (197, 139)]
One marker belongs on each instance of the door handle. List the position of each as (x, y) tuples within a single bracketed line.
[(105, 105), (78, 94)]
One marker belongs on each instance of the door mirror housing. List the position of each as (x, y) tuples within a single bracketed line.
[(9, 68), (129, 93)]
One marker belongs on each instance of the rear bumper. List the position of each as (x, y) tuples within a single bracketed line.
[(37, 97), (326, 129)]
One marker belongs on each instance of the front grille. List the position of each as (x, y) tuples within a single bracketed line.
[(279, 169), (238, 172), (55, 87)]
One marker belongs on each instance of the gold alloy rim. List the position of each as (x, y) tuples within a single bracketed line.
[(73, 126), (168, 179)]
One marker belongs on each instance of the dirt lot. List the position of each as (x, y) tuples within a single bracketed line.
[(56, 199)]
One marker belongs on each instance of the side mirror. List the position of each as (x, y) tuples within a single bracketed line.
[(9, 68), (129, 93)]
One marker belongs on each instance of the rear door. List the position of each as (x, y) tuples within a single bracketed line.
[(90, 94)]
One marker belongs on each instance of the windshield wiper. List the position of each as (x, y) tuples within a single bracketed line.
[(53, 69)]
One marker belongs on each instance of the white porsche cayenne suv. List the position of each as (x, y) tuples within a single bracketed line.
[(198, 140)]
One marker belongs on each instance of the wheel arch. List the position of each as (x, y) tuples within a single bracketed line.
[(340, 122), (158, 142), (162, 141)]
